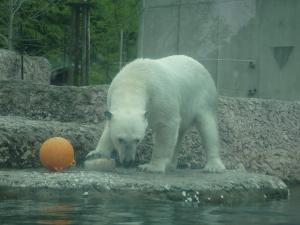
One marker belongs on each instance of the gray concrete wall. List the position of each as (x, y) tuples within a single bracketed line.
[(279, 28), (247, 45)]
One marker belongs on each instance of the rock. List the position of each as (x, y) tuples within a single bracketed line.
[(21, 139), (53, 103), (258, 134), (36, 69), (189, 186), (261, 134)]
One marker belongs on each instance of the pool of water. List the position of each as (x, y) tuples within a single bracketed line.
[(19, 207)]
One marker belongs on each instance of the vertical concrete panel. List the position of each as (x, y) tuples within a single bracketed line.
[(237, 78), (141, 34), (279, 49), (237, 40), (198, 34), (159, 34)]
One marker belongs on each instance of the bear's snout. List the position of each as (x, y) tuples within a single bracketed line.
[(125, 161)]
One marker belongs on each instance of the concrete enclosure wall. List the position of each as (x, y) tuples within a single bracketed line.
[(251, 47)]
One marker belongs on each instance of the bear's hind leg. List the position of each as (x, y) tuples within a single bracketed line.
[(174, 161), (207, 126), (104, 147), (165, 140)]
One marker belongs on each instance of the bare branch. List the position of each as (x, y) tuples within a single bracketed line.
[(4, 38), (2, 20), (43, 9), (18, 6)]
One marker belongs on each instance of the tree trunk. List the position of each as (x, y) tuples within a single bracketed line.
[(88, 46), (10, 26), (13, 7)]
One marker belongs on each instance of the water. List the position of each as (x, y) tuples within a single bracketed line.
[(19, 207)]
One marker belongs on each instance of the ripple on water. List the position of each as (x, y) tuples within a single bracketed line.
[(97, 208)]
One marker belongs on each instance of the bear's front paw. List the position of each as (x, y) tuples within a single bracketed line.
[(214, 166), (151, 168), (93, 155)]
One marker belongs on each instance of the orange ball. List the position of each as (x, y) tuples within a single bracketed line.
[(57, 154)]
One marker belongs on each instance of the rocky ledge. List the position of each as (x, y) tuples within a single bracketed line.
[(36, 69), (190, 186), (261, 134)]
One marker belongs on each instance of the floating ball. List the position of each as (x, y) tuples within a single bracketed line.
[(57, 154)]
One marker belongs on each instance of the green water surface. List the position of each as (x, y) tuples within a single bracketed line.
[(18, 207)]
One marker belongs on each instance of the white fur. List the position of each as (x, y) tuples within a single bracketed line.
[(176, 92)]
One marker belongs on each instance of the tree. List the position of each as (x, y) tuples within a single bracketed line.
[(12, 7), (25, 12), (108, 19), (46, 26)]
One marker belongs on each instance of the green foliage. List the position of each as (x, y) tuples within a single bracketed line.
[(113, 16), (43, 28)]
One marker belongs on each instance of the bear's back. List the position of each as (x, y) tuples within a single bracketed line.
[(173, 77), (173, 71)]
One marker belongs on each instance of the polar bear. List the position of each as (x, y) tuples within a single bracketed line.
[(169, 95)]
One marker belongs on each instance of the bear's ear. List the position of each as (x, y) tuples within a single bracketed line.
[(108, 115)]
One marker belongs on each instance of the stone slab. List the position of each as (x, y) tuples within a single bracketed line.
[(53, 103), (190, 186)]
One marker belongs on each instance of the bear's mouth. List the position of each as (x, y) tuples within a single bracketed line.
[(126, 163)]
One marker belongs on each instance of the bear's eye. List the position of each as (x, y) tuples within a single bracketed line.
[(121, 140)]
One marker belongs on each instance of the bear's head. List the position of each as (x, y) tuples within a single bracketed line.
[(127, 129)]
